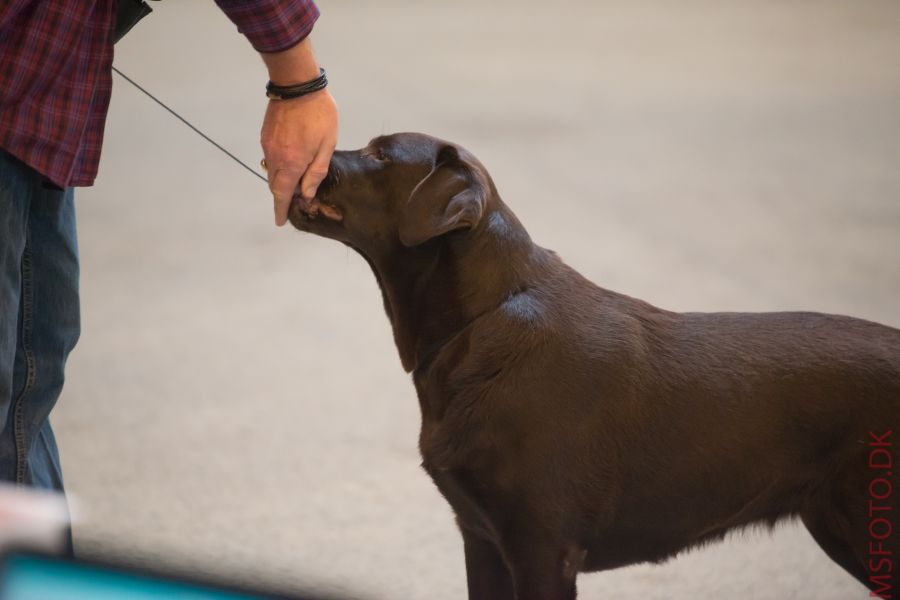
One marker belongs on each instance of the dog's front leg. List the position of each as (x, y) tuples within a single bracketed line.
[(542, 570), (486, 573)]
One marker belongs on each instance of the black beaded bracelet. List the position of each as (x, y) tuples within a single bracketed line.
[(288, 92)]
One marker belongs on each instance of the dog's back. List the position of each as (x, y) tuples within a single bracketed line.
[(573, 428), (650, 431)]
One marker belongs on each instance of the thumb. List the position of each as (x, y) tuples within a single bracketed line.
[(316, 171), (282, 185)]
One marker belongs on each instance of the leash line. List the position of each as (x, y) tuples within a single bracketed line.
[(186, 122)]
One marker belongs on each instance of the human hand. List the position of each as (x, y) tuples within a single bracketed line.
[(298, 138), (298, 135)]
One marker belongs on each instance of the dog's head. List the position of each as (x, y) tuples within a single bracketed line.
[(401, 190)]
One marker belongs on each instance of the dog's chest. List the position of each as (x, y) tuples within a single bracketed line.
[(452, 442), (467, 497), (467, 472)]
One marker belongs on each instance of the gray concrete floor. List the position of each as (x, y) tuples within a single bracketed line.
[(236, 404)]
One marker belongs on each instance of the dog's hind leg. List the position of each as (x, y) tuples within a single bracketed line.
[(841, 527), (487, 575), (821, 527), (853, 520)]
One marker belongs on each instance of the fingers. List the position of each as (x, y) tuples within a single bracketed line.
[(283, 184), (298, 138), (317, 170)]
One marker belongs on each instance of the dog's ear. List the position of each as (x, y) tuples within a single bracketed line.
[(451, 197)]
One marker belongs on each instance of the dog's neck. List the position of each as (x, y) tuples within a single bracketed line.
[(434, 291)]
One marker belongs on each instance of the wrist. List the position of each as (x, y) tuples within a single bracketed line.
[(277, 92), (292, 66)]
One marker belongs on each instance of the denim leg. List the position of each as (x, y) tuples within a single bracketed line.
[(15, 204), (48, 326), (55, 319)]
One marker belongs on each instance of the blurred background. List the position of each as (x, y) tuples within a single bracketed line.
[(236, 405)]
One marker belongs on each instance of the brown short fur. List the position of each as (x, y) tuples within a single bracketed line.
[(572, 428)]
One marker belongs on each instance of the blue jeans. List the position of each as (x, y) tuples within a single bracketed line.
[(39, 319)]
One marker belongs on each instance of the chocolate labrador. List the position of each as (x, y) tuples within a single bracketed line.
[(572, 428)]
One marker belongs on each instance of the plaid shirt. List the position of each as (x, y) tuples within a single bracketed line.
[(56, 78)]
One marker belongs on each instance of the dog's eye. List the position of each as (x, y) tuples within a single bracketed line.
[(379, 155)]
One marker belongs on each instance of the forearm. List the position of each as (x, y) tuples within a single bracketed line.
[(292, 66), (298, 135)]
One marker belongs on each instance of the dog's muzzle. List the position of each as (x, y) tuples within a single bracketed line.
[(311, 208)]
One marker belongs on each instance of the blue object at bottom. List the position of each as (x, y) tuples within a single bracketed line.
[(36, 578)]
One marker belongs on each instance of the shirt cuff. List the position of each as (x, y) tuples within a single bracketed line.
[(272, 25)]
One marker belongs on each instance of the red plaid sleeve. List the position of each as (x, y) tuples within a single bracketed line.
[(55, 78), (272, 25), (55, 84)]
